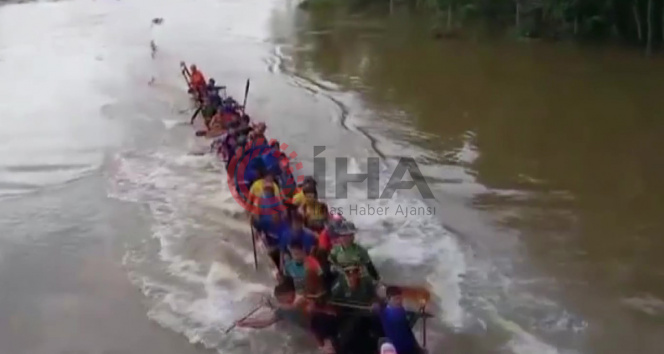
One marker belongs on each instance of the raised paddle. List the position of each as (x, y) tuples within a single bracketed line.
[(253, 240), (246, 93)]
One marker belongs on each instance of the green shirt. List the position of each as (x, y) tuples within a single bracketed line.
[(353, 255)]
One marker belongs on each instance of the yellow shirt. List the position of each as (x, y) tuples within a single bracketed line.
[(315, 210), (257, 188), (299, 198)]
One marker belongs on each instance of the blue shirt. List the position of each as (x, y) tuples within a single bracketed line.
[(288, 234), (214, 98), (272, 229), (397, 329)]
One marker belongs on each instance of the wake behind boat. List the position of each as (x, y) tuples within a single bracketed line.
[(327, 282)]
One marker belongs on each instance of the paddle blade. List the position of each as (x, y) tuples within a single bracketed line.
[(416, 294)]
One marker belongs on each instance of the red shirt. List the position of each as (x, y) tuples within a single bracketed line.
[(324, 241), (197, 79)]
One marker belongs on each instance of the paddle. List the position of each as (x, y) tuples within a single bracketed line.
[(424, 328), (365, 307), (253, 240), (246, 93), (193, 117), (245, 317), (185, 70)]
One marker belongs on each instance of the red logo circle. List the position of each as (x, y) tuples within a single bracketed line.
[(241, 164)]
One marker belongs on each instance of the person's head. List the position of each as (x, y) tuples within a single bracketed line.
[(310, 193), (296, 249), (346, 239), (193, 68), (297, 223), (211, 82), (269, 177), (261, 127), (394, 296), (260, 169), (308, 181), (346, 233), (285, 293)]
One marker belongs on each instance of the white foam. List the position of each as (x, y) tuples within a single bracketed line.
[(647, 304)]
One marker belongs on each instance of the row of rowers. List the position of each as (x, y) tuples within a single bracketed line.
[(317, 256), (314, 248)]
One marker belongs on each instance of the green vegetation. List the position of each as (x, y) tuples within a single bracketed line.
[(639, 22)]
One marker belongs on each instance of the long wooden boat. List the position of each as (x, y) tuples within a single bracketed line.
[(360, 330)]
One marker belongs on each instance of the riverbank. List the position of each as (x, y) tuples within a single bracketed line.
[(639, 25)]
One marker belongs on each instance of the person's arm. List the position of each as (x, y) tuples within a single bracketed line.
[(378, 306), (373, 272), (314, 242), (258, 323), (334, 265), (326, 211)]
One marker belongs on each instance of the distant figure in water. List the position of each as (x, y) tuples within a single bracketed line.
[(153, 49), (157, 21)]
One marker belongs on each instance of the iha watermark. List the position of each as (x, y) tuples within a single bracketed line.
[(371, 177), (391, 210), (241, 170)]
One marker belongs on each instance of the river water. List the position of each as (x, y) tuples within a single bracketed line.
[(543, 160)]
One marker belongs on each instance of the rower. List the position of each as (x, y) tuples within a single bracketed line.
[(288, 309), (304, 270), (396, 324), (212, 92), (297, 232), (216, 129), (197, 80), (258, 198), (210, 109), (213, 88), (356, 274), (300, 312), (314, 212), (230, 105), (273, 227), (258, 132), (298, 197)]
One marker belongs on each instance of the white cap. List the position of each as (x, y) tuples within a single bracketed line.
[(387, 348)]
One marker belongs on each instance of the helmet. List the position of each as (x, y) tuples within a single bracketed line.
[(338, 226), (347, 228)]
